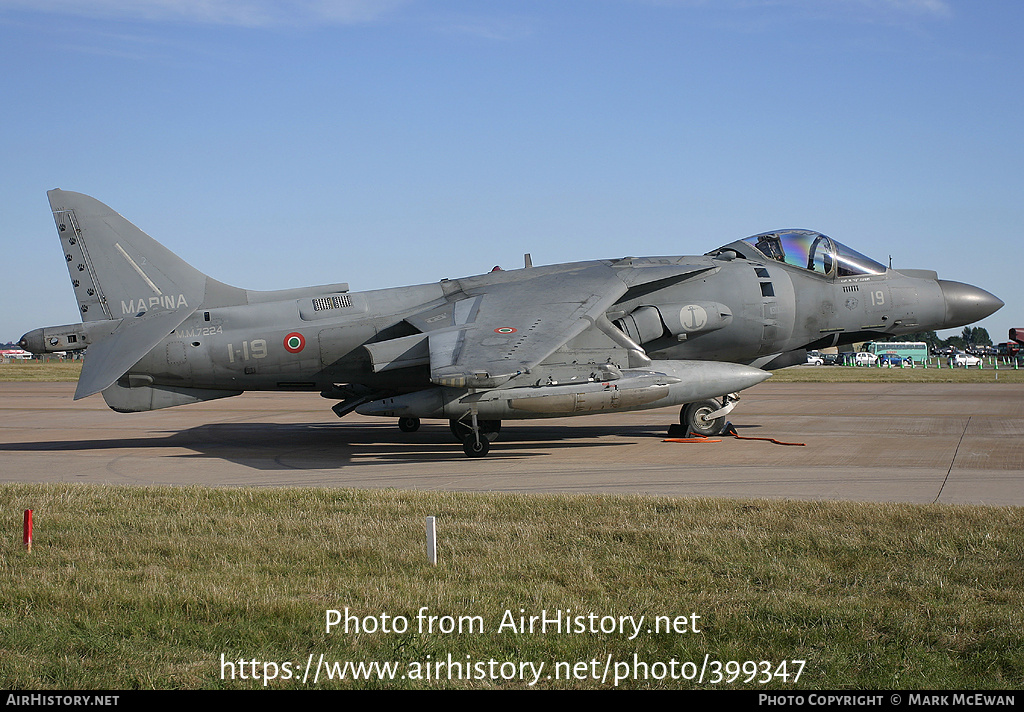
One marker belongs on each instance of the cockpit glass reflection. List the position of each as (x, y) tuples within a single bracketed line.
[(815, 252)]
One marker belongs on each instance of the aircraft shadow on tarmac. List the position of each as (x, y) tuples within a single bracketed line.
[(277, 446)]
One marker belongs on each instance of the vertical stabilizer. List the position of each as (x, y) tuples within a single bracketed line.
[(116, 269)]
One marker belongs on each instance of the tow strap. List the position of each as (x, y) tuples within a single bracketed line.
[(730, 429)]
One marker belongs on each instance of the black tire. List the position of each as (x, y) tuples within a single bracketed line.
[(476, 448), (408, 425), (692, 415), (463, 431)]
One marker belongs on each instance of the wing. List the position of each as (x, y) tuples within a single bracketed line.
[(497, 326)]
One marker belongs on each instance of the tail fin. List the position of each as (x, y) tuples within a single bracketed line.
[(117, 270), (123, 276)]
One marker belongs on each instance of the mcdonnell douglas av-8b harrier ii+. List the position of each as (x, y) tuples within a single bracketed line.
[(546, 341)]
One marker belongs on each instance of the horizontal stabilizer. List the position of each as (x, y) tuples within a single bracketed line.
[(110, 357)]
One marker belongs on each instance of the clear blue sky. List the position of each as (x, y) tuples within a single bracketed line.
[(276, 144)]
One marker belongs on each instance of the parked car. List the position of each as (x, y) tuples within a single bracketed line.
[(864, 358), (964, 360), (815, 359), (893, 360)]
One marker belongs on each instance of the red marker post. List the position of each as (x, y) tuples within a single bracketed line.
[(28, 529)]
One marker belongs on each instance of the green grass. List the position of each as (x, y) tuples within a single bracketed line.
[(134, 587), (39, 371), (864, 374)]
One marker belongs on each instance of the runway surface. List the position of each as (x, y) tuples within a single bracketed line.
[(950, 443)]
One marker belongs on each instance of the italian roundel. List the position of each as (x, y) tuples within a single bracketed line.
[(294, 342)]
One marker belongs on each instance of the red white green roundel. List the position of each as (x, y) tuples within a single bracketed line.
[(505, 330), (294, 342)]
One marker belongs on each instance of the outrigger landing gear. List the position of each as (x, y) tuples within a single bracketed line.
[(476, 435), (476, 447), (463, 431), (707, 417)]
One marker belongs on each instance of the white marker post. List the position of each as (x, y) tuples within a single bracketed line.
[(431, 542)]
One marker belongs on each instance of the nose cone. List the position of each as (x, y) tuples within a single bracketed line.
[(966, 304)]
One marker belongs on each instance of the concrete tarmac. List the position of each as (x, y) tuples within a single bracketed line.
[(948, 443)]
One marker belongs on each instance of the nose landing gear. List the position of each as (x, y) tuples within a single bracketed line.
[(707, 417)]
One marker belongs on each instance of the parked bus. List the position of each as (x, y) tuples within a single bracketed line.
[(1009, 349), (917, 350)]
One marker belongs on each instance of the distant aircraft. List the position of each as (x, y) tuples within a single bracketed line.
[(16, 354), (546, 341)]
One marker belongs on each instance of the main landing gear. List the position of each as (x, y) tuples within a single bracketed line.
[(475, 435)]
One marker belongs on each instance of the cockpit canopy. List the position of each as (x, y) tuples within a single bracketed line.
[(808, 250)]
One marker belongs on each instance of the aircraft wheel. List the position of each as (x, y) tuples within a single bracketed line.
[(463, 431), (474, 448), (408, 425), (693, 416)]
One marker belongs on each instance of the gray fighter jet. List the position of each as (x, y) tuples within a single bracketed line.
[(538, 342)]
